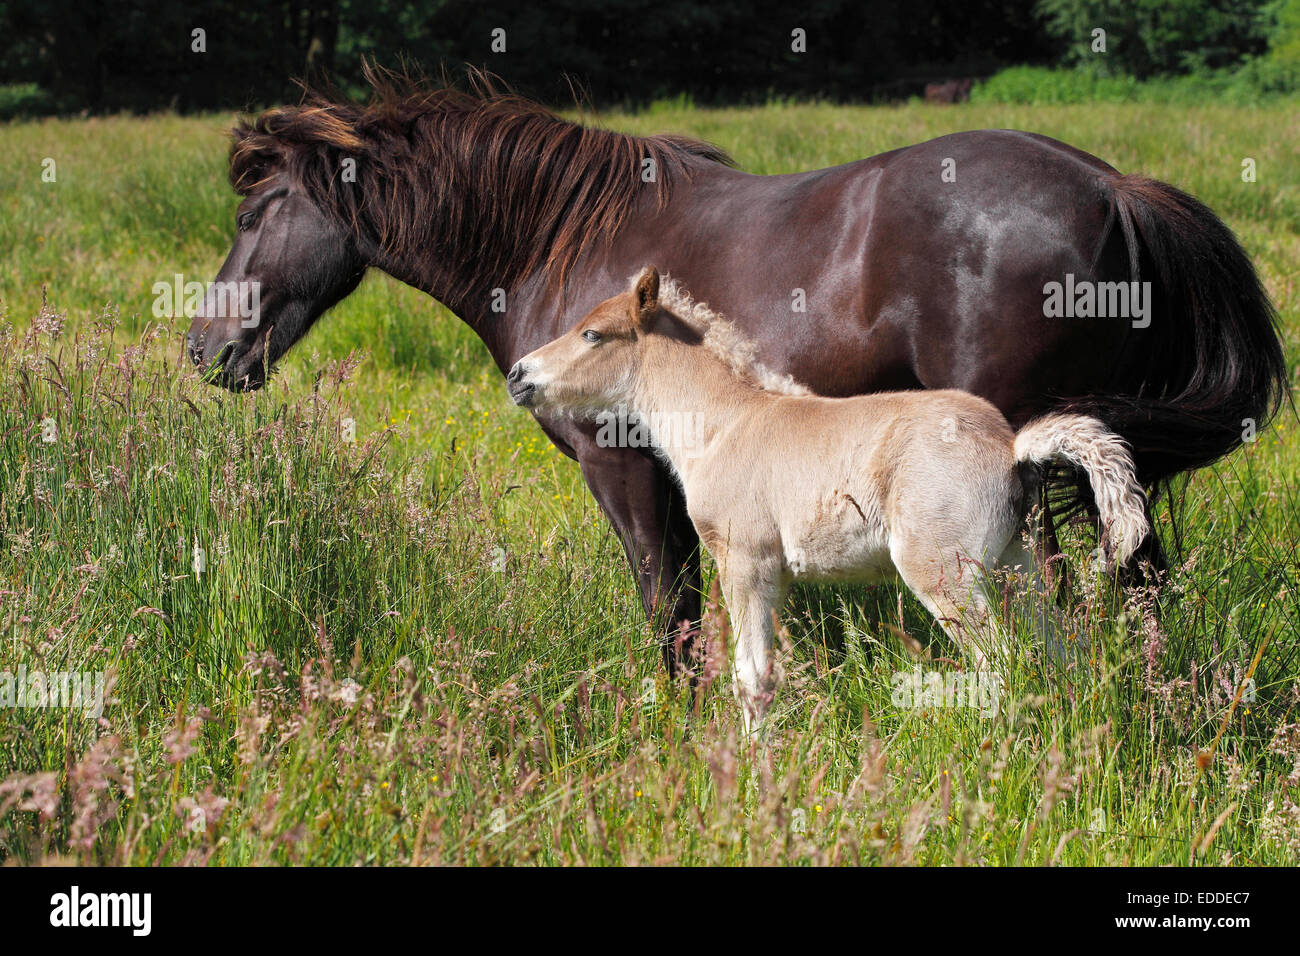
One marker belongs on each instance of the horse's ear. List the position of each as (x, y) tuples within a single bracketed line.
[(646, 295)]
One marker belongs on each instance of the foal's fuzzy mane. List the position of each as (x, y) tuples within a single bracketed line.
[(724, 339), (499, 178)]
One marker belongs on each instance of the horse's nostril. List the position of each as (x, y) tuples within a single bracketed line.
[(515, 373)]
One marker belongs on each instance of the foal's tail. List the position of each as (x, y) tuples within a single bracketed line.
[(1086, 443)]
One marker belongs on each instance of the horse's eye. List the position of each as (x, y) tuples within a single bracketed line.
[(245, 220), (592, 336)]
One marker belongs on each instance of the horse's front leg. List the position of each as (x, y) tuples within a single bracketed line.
[(649, 513)]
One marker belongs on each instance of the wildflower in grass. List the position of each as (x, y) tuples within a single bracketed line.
[(38, 792), (347, 691), (206, 809), (92, 782), (1280, 822), (179, 741), (49, 322)]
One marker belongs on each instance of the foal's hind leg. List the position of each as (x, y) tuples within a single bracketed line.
[(954, 589)]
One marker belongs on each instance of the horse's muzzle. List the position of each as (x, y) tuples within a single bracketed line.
[(222, 368)]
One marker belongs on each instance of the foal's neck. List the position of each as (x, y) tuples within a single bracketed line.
[(688, 395)]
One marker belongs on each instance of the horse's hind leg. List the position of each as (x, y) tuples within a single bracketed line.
[(1148, 564), (1047, 546)]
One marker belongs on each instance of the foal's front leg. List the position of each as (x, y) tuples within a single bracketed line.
[(754, 591)]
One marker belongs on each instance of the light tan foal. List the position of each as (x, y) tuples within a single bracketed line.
[(783, 485)]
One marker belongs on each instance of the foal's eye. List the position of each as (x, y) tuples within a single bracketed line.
[(592, 336), (245, 220)]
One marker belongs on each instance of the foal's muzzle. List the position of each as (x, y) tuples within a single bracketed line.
[(521, 391)]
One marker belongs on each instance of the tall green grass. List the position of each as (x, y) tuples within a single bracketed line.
[(424, 646)]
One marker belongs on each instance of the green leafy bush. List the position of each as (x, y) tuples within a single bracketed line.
[(1258, 80), (23, 100), (1146, 38)]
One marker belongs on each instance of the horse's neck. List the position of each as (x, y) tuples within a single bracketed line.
[(436, 278), (688, 395), (512, 321)]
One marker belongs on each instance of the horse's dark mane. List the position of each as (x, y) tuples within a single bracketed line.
[(503, 180)]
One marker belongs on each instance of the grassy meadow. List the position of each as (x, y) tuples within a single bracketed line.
[(424, 646)]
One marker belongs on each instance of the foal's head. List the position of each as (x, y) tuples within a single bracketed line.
[(596, 364)]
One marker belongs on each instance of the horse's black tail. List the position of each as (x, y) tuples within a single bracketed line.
[(1213, 369)]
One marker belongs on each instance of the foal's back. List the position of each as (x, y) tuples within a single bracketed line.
[(832, 484)]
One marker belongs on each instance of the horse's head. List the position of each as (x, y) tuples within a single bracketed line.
[(291, 261), (595, 365)]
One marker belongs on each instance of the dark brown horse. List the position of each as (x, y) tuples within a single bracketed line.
[(924, 267)]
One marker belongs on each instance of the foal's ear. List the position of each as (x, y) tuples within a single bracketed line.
[(646, 295)]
